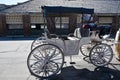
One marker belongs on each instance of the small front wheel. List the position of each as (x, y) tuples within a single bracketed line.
[(101, 54), (45, 61)]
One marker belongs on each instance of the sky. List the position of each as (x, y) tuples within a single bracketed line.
[(11, 2)]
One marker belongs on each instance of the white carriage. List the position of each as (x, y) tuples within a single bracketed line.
[(47, 56)]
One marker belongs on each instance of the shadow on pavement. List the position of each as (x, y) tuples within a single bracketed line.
[(99, 73)]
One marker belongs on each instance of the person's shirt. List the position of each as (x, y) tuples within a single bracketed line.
[(92, 26)]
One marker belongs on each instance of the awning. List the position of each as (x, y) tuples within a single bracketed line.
[(66, 10)]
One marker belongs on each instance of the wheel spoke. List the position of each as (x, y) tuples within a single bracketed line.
[(52, 64), (55, 55), (108, 57), (41, 53), (56, 59), (33, 60), (85, 49), (37, 57)]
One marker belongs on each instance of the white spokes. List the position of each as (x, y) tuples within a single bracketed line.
[(45, 60), (101, 54)]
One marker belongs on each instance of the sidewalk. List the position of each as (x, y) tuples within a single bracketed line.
[(13, 65)]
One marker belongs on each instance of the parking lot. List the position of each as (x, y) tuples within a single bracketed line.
[(13, 65)]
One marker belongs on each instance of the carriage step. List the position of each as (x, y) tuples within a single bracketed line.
[(65, 62), (72, 63)]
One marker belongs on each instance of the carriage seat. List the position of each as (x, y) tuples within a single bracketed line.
[(79, 33), (47, 34)]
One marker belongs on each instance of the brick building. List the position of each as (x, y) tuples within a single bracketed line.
[(26, 19)]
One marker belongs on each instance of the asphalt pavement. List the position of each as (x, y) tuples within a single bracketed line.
[(13, 65)]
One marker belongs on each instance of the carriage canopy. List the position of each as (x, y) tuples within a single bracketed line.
[(66, 10), (52, 12)]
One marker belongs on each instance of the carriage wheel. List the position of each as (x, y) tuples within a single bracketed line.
[(85, 49), (101, 54), (37, 42), (45, 60)]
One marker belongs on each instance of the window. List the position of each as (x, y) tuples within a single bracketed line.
[(37, 19), (43, 26), (79, 19), (33, 26), (38, 26), (63, 26), (15, 26), (14, 19), (105, 19), (63, 23)]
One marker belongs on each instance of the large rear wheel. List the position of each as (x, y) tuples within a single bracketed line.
[(45, 60)]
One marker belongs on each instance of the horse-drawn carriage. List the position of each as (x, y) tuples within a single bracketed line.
[(47, 55)]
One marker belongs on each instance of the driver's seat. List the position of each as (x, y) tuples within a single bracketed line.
[(81, 32)]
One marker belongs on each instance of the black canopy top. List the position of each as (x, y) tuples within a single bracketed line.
[(63, 10)]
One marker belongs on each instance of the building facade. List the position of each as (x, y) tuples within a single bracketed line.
[(26, 19)]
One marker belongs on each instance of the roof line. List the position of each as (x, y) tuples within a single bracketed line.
[(16, 5)]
